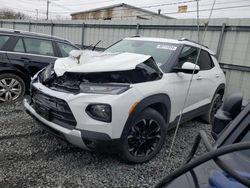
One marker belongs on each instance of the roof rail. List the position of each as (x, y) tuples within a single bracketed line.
[(185, 39), (31, 33)]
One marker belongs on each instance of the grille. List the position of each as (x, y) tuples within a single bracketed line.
[(53, 109)]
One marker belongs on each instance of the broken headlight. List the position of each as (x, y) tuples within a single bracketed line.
[(112, 89)]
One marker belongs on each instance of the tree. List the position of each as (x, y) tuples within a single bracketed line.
[(10, 14)]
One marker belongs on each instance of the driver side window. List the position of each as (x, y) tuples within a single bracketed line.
[(188, 54)]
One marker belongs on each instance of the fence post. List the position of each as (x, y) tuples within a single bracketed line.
[(137, 29), (29, 26), (83, 27), (52, 29), (14, 25), (219, 46)]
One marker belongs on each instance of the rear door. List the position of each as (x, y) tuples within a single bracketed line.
[(206, 77), (32, 53)]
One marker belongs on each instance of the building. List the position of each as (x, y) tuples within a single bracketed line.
[(119, 11)]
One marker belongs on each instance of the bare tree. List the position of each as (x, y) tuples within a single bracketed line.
[(10, 14)]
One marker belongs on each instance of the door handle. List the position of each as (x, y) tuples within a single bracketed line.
[(199, 78)]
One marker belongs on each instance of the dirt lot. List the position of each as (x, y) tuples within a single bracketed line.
[(30, 157)]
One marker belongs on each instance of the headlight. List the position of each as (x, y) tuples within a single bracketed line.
[(100, 112), (112, 89)]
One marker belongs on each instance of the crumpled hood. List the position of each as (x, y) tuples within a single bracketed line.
[(90, 61)]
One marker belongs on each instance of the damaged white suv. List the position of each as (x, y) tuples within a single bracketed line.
[(125, 98)]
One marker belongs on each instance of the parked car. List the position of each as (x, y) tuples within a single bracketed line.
[(227, 164), (22, 54), (127, 97)]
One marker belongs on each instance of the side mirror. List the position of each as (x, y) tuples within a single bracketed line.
[(188, 67), (228, 111)]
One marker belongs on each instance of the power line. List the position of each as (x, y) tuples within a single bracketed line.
[(149, 6), (219, 8), (167, 13), (89, 3), (61, 6), (165, 4)]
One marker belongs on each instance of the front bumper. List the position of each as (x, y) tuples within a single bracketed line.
[(67, 116), (72, 136), (88, 140)]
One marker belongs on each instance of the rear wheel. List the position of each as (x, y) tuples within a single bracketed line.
[(215, 105), (145, 137), (12, 87)]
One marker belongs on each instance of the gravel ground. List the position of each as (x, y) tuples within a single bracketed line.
[(30, 157)]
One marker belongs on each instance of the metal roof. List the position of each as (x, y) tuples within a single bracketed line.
[(122, 5)]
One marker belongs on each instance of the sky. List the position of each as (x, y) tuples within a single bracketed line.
[(61, 9)]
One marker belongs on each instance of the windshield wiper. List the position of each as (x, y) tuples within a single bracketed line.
[(96, 45)]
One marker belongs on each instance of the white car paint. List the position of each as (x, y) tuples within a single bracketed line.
[(90, 61), (174, 85)]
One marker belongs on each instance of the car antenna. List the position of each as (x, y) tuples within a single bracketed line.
[(96, 45), (191, 79)]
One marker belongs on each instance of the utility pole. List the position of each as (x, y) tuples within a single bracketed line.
[(47, 12), (36, 14), (198, 21)]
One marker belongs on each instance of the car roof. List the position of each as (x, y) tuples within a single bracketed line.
[(30, 34), (173, 41)]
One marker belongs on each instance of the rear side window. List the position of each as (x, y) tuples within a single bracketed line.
[(3, 40), (65, 49), (38, 46), (19, 46), (205, 61)]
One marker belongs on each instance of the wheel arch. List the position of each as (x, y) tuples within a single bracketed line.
[(159, 102)]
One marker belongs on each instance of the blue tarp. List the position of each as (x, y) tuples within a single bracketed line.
[(220, 179)]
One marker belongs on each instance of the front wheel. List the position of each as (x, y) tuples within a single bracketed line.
[(145, 137)]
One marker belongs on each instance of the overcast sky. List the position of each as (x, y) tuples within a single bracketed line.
[(63, 8)]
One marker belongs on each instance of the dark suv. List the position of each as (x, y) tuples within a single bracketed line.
[(22, 54)]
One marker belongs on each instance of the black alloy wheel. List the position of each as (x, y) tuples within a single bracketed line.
[(144, 138)]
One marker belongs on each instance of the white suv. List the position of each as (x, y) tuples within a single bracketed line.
[(125, 98)]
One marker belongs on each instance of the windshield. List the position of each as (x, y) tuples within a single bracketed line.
[(161, 52)]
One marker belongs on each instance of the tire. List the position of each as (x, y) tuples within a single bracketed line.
[(145, 137), (215, 105), (12, 87)]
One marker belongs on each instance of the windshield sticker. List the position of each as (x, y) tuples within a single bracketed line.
[(166, 47)]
